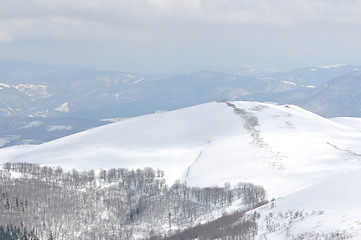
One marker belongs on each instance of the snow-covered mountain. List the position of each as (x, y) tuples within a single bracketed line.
[(40, 90), (340, 97), (283, 148), (304, 85), (315, 76)]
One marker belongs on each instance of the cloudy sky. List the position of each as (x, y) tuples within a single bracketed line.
[(162, 35)]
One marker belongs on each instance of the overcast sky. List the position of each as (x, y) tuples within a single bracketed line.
[(161, 35)]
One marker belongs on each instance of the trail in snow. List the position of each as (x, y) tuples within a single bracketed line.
[(344, 150), (250, 124), (199, 156)]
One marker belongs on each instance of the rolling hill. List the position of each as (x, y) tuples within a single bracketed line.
[(283, 148)]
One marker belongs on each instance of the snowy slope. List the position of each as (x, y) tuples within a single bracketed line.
[(351, 122), (283, 148), (290, 149), (328, 209)]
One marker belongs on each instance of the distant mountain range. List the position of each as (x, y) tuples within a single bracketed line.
[(32, 92), (37, 130), (340, 97), (38, 90)]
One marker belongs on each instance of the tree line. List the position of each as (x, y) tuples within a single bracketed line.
[(116, 203)]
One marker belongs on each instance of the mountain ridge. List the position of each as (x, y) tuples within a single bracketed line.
[(209, 144), (40, 90)]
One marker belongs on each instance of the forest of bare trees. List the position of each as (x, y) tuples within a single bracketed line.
[(51, 203)]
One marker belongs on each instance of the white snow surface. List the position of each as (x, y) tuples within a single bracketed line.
[(33, 124), (3, 141), (351, 122), (282, 148), (63, 108), (332, 66), (332, 206), (31, 90), (53, 128)]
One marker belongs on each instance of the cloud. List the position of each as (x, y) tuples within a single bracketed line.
[(297, 51), (5, 37), (178, 30), (143, 12), (156, 15), (52, 18), (280, 12)]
